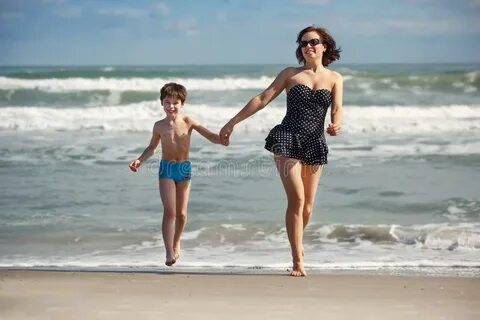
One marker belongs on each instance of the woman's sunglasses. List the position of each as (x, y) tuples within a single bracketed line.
[(312, 42)]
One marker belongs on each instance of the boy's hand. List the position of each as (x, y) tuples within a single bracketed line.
[(333, 129), (134, 165)]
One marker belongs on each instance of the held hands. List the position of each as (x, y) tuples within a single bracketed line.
[(134, 165), (333, 129), (225, 133)]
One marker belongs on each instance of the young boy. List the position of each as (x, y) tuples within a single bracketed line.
[(175, 170)]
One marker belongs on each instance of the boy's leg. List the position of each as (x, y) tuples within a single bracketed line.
[(182, 195), (167, 194)]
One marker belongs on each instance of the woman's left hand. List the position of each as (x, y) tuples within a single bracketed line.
[(225, 133), (333, 129)]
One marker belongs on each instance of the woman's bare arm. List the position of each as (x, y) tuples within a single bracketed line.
[(336, 114), (257, 103)]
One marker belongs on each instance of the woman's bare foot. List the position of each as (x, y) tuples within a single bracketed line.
[(298, 270), (176, 252)]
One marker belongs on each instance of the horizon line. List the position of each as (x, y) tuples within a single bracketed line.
[(225, 64)]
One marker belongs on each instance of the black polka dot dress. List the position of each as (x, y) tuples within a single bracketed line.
[(301, 133)]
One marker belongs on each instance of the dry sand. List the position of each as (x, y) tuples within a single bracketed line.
[(114, 295)]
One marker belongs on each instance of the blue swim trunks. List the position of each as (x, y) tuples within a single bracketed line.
[(177, 171)]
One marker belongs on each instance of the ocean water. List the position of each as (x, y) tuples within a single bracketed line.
[(401, 189)]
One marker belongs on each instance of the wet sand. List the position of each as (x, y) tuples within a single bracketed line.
[(117, 295)]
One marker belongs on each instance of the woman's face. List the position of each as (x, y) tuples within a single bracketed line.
[(312, 46)]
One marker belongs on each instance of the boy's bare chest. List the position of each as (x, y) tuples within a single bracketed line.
[(174, 133)]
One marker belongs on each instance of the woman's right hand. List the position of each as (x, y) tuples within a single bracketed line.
[(333, 129), (134, 165), (225, 133)]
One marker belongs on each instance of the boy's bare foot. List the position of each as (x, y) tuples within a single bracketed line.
[(170, 261), (298, 270)]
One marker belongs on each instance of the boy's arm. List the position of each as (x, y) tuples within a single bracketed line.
[(149, 151), (195, 125)]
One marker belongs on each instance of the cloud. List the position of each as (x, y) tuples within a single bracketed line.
[(11, 15), (417, 26), (54, 1), (438, 27), (316, 2), (160, 8), (185, 26), (221, 16), (163, 9), (419, 1), (123, 12), (68, 12), (188, 26), (441, 26)]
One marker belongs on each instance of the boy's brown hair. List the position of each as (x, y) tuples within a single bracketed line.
[(174, 90)]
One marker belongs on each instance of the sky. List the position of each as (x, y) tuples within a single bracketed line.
[(145, 32)]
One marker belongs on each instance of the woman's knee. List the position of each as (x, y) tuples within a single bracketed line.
[(182, 216), (307, 209), (296, 203)]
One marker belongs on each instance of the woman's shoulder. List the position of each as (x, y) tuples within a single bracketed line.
[(335, 75), (294, 69), (288, 72)]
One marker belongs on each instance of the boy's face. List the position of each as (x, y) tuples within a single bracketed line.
[(171, 106)]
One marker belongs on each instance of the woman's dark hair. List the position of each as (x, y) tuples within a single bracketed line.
[(174, 90), (331, 53)]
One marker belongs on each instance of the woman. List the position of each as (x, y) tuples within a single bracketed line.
[(298, 143)]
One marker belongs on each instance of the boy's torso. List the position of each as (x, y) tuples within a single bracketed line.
[(175, 139)]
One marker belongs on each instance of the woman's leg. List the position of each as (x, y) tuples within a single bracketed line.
[(310, 178), (183, 192), (290, 173), (167, 194)]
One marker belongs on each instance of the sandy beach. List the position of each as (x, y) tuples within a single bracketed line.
[(115, 295)]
